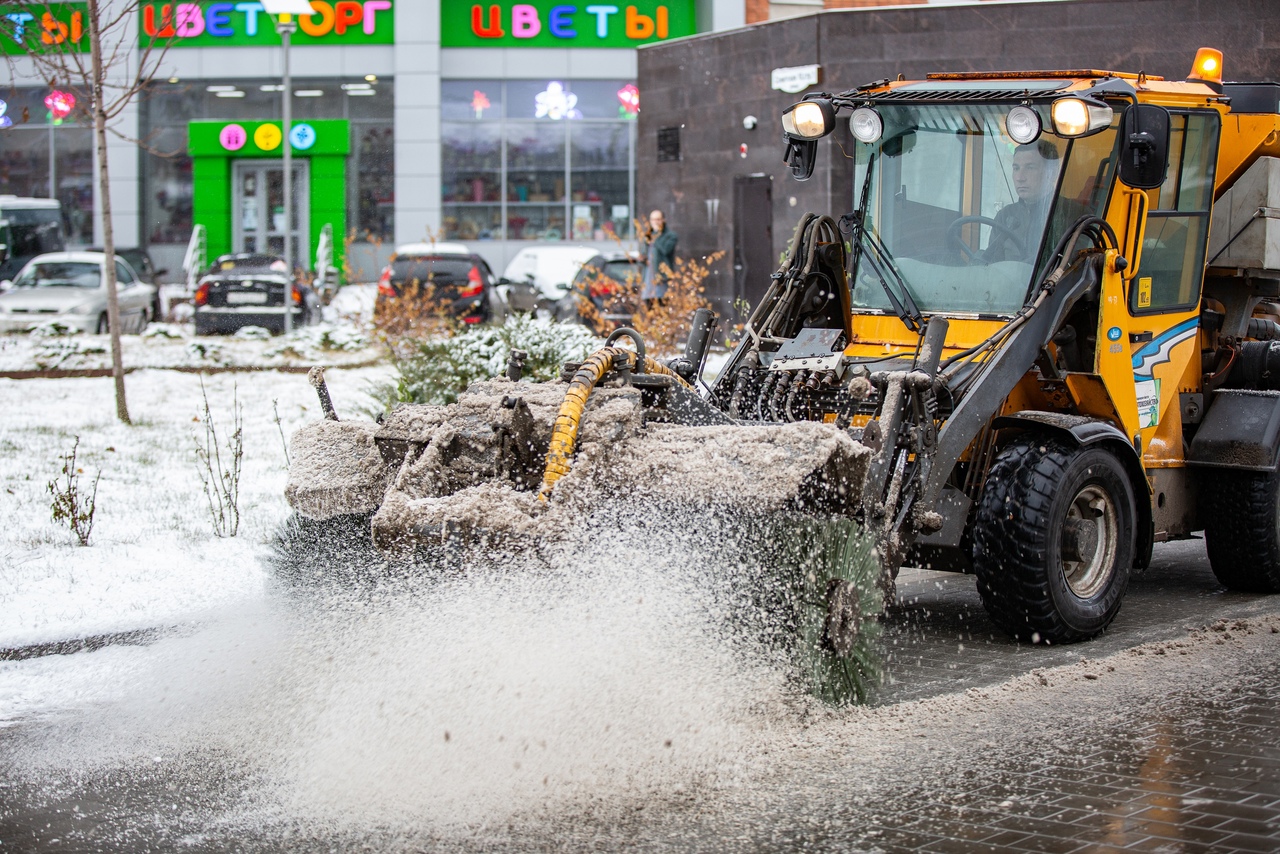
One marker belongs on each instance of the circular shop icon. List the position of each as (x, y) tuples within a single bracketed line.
[(302, 137), (1114, 333), (233, 137), (267, 137)]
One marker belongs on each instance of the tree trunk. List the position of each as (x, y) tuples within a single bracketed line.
[(104, 188)]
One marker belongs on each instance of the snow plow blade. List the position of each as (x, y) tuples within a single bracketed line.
[(429, 472)]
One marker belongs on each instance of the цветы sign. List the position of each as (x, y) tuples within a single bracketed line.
[(548, 23), (247, 23), (43, 27)]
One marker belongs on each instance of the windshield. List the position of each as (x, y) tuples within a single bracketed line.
[(430, 269), (65, 274), (959, 215)]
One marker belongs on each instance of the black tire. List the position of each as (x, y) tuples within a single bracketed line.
[(1241, 514), (1029, 525), (104, 324)]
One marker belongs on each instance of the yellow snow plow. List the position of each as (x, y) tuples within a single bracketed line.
[(1023, 353)]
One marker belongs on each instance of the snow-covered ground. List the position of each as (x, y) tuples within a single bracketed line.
[(153, 558)]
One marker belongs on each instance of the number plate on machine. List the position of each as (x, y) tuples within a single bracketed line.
[(246, 298)]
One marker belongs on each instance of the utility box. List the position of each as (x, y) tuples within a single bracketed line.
[(1246, 221)]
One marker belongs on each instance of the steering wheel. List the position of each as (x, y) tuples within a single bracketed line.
[(954, 241)]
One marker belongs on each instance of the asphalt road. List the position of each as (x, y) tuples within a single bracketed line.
[(1161, 735)]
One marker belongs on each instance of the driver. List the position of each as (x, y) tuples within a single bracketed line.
[(1035, 176)]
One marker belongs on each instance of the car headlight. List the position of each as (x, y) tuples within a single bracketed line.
[(82, 308)]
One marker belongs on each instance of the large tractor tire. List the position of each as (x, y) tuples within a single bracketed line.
[(1241, 513), (1054, 540)]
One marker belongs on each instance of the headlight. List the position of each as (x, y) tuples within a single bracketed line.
[(82, 308), (866, 125), (809, 119), (1079, 116), (1023, 125)]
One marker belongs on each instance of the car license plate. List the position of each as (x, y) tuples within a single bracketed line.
[(246, 298)]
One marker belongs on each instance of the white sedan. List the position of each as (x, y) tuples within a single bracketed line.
[(70, 288)]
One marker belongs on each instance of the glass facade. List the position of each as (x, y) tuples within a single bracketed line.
[(538, 159), (45, 157), (166, 169)]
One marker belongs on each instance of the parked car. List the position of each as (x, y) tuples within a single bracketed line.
[(140, 260), (71, 288), (611, 282), (249, 290), (550, 268), (455, 279)]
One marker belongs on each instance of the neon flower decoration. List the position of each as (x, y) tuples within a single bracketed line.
[(479, 103), (629, 98), (60, 104), (555, 103), (5, 121)]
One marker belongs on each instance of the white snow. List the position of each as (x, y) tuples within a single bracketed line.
[(153, 559)]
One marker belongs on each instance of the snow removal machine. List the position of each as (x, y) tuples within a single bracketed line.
[(1045, 336)]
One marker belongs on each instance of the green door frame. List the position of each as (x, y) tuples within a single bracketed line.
[(211, 176)]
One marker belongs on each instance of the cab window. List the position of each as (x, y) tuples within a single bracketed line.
[(1172, 264)]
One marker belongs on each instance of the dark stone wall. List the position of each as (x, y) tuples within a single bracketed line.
[(708, 84)]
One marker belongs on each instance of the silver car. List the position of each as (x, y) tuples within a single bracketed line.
[(71, 289)]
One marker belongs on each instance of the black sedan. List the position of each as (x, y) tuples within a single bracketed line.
[(249, 290), (423, 279)]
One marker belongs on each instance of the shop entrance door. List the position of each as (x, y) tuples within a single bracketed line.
[(257, 209)]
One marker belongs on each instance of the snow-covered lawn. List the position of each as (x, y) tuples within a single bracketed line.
[(153, 558)]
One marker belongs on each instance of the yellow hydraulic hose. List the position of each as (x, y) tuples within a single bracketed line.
[(564, 436)]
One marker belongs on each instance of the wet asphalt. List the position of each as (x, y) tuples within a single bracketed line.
[(1183, 769)]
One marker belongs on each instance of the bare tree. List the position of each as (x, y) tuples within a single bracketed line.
[(120, 66)]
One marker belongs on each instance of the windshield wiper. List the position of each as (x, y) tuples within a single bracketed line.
[(880, 259), (868, 244)]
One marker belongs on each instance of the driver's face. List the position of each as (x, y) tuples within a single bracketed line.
[(1028, 175)]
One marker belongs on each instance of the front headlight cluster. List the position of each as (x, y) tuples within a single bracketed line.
[(82, 308)]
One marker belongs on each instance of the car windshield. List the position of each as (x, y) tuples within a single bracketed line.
[(430, 269), (624, 271), (959, 216), (60, 274)]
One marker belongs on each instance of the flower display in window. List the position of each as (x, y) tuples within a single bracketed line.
[(629, 101), (479, 103), (5, 121), (60, 104), (555, 103)]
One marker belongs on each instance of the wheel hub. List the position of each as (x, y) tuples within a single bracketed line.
[(1089, 541)]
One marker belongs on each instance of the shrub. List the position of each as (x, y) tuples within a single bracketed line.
[(437, 370), (665, 323), (71, 506)]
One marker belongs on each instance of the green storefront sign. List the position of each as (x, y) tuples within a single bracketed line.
[(547, 23), (43, 27), (247, 24), (216, 146)]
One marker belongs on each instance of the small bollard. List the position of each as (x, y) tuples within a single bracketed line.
[(315, 376)]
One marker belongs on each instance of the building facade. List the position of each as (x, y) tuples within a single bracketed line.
[(494, 123)]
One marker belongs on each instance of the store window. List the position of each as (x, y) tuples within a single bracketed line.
[(45, 156), (538, 159), (166, 175)]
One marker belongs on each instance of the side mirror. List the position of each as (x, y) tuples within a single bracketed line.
[(1144, 146), (6, 284), (801, 155), (163, 271)]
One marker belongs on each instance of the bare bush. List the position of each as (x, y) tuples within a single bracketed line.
[(664, 323), (221, 479), (71, 507)]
